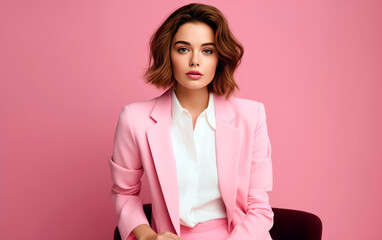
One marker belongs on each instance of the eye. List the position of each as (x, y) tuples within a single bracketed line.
[(182, 50), (209, 51)]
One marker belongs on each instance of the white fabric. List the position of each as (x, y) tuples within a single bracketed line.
[(195, 153)]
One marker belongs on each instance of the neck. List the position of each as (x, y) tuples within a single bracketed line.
[(194, 100)]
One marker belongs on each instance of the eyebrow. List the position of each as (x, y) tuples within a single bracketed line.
[(187, 43)]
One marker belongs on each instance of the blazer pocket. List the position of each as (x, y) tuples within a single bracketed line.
[(244, 169), (242, 172)]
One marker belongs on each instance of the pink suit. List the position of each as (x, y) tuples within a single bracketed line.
[(143, 143)]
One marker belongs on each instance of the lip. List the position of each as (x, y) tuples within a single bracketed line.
[(194, 74)]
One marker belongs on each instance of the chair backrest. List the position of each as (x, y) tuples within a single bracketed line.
[(288, 224), (295, 224)]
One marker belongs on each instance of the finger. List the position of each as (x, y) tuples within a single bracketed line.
[(172, 236)]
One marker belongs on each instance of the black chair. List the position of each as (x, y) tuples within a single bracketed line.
[(288, 225), (296, 225)]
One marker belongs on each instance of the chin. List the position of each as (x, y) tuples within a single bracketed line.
[(193, 85)]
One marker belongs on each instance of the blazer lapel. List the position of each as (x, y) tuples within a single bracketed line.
[(227, 153), (160, 141)]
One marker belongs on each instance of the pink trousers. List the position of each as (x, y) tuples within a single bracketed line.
[(212, 230)]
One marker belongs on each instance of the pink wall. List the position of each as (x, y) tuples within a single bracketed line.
[(68, 67)]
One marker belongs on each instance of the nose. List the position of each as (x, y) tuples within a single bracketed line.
[(194, 59)]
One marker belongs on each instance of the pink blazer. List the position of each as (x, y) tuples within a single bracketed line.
[(142, 144)]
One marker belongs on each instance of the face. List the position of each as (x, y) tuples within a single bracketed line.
[(193, 48)]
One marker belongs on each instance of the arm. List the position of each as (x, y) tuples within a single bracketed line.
[(126, 172), (259, 218)]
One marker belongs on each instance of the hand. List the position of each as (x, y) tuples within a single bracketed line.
[(145, 232), (164, 236)]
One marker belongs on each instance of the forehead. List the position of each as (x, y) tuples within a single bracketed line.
[(194, 33)]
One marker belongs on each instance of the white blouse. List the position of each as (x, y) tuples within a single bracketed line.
[(194, 149)]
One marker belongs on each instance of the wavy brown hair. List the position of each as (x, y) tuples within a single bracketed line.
[(230, 50)]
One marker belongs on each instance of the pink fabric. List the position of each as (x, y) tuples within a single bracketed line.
[(143, 144), (216, 229)]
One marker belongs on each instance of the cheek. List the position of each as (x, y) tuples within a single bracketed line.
[(176, 63), (213, 64)]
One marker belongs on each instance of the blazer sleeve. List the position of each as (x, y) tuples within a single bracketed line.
[(259, 217), (126, 172)]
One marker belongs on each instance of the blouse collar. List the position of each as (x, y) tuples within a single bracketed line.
[(177, 109)]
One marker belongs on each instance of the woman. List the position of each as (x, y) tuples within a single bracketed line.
[(205, 153)]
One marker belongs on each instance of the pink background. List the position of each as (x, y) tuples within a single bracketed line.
[(68, 67)]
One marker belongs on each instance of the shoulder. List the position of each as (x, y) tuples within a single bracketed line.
[(137, 110), (141, 106), (247, 108), (244, 103)]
